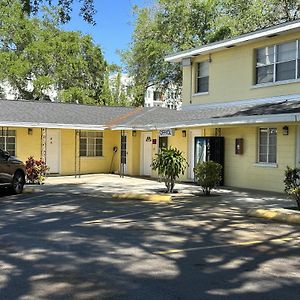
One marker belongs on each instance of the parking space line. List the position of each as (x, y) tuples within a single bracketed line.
[(248, 243)]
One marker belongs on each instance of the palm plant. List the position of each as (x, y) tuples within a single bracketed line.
[(170, 164)]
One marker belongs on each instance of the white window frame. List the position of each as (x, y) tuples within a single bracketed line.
[(199, 77), (267, 162), (8, 133), (275, 63), (91, 136)]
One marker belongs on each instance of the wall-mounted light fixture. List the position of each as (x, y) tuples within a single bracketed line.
[(209, 58), (133, 132), (29, 131), (218, 132), (183, 133), (285, 130)]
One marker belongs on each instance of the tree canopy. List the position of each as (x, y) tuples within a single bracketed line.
[(87, 10), (36, 56), (172, 26)]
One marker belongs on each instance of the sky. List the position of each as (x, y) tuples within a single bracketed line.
[(114, 26)]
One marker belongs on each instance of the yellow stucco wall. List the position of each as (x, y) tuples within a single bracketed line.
[(243, 171), (176, 141), (103, 164), (28, 144), (232, 75), (240, 170)]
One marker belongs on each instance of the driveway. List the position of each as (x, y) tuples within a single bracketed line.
[(71, 240)]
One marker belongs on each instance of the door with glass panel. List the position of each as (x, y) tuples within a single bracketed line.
[(210, 149)]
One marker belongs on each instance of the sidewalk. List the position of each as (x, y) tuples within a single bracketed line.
[(114, 184)]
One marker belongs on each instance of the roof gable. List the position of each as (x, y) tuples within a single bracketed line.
[(280, 29)]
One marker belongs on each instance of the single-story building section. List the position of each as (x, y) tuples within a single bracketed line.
[(254, 140)]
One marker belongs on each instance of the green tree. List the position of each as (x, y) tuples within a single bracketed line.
[(170, 164), (36, 56), (87, 10), (171, 26)]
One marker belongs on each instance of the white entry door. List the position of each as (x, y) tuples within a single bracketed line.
[(146, 155), (53, 150)]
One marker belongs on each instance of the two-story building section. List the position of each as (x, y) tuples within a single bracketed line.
[(243, 95)]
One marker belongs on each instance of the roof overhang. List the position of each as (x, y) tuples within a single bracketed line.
[(232, 121), (52, 125), (225, 121), (229, 43)]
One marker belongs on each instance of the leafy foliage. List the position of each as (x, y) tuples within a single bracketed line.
[(172, 26), (170, 164), (87, 10), (37, 57), (292, 184), (208, 175), (35, 170)]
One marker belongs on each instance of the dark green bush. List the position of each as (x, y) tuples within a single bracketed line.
[(208, 175), (292, 184)]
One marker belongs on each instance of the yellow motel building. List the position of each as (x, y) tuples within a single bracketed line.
[(241, 107)]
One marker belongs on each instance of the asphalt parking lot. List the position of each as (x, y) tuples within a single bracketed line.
[(73, 241)]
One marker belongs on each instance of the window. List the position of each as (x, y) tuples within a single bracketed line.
[(277, 62), (202, 77), (8, 141), (267, 145), (157, 95), (91, 144)]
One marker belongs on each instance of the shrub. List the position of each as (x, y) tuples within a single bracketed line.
[(292, 184), (169, 163), (36, 170), (208, 175)]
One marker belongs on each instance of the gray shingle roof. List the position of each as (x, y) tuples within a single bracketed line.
[(59, 113), (27, 113)]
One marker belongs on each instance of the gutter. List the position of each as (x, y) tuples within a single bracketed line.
[(52, 125), (240, 120)]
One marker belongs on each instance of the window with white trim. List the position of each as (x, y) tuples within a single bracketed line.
[(267, 148), (91, 144), (278, 62), (8, 141), (202, 77)]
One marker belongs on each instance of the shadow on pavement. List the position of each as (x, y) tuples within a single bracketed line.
[(72, 242)]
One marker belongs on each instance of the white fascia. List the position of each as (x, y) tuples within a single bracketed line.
[(230, 121), (246, 38), (244, 102), (52, 125)]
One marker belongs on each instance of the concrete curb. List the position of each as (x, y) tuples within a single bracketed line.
[(277, 214), (147, 197)]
